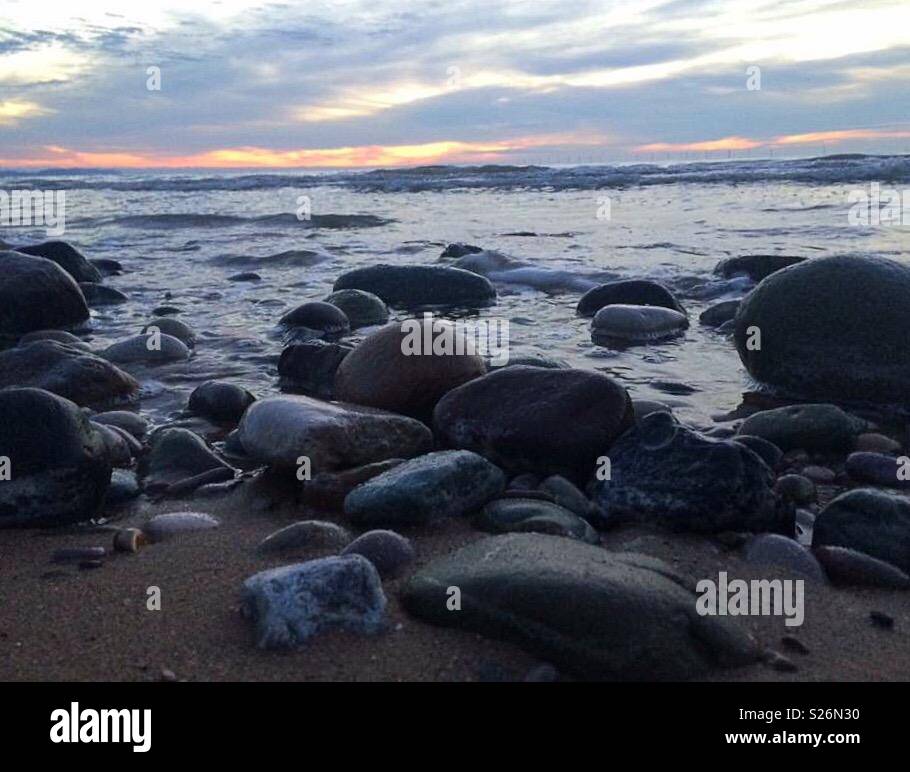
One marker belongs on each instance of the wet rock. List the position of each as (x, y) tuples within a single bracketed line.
[(316, 320), (877, 469), (459, 249), (567, 495), (311, 366), (767, 451), (626, 325), (245, 276), (389, 371), (411, 286), (147, 349), (756, 267), (130, 422), (831, 328), (167, 325), (219, 401), (174, 455), (175, 524), (590, 612), (632, 292), (664, 473), (123, 487), (388, 551), (772, 549), (118, 451), (443, 484), (819, 474), (719, 314), (534, 419), (870, 442), (101, 295), (306, 534), (60, 336), (870, 521), (280, 430), (796, 488), (849, 567), (531, 360), (69, 372), (67, 257), (59, 468), (362, 309), (329, 489), (106, 266), (291, 604), (37, 294), (812, 427), (527, 515)]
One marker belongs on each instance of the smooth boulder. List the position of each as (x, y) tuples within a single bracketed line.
[(67, 257), (756, 267), (219, 401), (316, 319), (59, 469), (148, 349), (410, 286), (535, 419), (633, 292), (175, 455), (37, 294), (280, 430), (811, 427), (362, 309), (590, 612), (393, 370), (830, 328), (627, 325), (311, 366)]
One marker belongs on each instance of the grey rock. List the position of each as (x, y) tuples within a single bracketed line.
[(306, 534), (719, 314), (67, 257), (796, 488), (626, 325), (362, 309), (102, 295), (849, 567), (390, 552), (61, 336), (567, 495), (877, 469), (148, 349), (124, 487), (590, 612), (411, 286), (167, 325), (311, 366), (772, 549), (813, 427), (37, 294), (633, 292), (316, 319), (527, 515), (130, 422), (175, 524), (768, 451), (442, 484), (756, 267), (219, 401), (174, 455), (291, 604)]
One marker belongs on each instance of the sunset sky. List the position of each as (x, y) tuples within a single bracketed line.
[(361, 83)]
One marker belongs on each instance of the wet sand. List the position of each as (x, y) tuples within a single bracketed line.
[(60, 622)]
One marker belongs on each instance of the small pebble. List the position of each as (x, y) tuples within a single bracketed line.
[(175, 523)]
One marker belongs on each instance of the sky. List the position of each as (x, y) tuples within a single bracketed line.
[(355, 83)]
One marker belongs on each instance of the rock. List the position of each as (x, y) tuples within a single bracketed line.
[(832, 328), (174, 524), (527, 515), (534, 419), (632, 292), (37, 294), (61, 336), (567, 495), (524, 482), (796, 488), (130, 422), (447, 483), (719, 314), (532, 360), (291, 604), (75, 554), (664, 473), (186, 486), (68, 372), (870, 442), (123, 488), (877, 469), (819, 474), (756, 267), (245, 276), (316, 320), (772, 549), (812, 427), (388, 372), (362, 309), (167, 325), (870, 521), (165, 310), (590, 612), (306, 534), (311, 366), (280, 430), (459, 249), (328, 490), (174, 455), (388, 551), (118, 451), (58, 465), (219, 401), (148, 349), (411, 286), (101, 295), (643, 407), (624, 324), (106, 266), (67, 257), (767, 451), (849, 567)]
